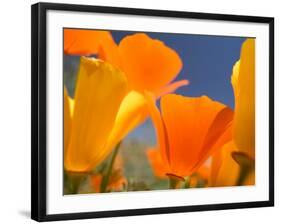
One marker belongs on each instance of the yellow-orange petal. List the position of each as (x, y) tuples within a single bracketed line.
[(160, 129), (156, 162), (132, 112), (244, 91), (204, 171), (71, 105), (234, 79), (170, 88), (67, 119), (225, 171), (87, 42), (108, 51), (148, 63), (187, 121), (99, 92), (219, 133)]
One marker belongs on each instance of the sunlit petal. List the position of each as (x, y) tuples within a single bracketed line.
[(148, 63), (170, 88), (160, 128), (219, 133), (187, 122), (99, 92), (225, 171), (132, 112), (244, 91), (88, 42), (157, 163), (67, 112)]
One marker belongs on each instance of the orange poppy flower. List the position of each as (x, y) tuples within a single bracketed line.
[(160, 169), (243, 82), (99, 94), (86, 42), (148, 63), (226, 168), (149, 67), (189, 131)]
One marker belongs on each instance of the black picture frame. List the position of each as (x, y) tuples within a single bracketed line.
[(39, 122)]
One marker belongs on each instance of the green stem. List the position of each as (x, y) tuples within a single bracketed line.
[(174, 180), (172, 183), (106, 177), (75, 180), (187, 182)]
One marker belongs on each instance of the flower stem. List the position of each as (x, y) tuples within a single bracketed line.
[(187, 182), (106, 177), (75, 180), (174, 181)]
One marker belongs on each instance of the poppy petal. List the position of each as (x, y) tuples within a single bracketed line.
[(67, 115), (99, 92), (88, 42), (132, 112), (219, 133), (244, 88), (224, 171), (172, 87), (160, 128), (187, 120), (234, 78), (156, 162), (148, 63)]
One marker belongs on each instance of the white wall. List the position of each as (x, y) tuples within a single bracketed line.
[(15, 110)]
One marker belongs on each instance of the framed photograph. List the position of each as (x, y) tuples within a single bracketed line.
[(139, 111)]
